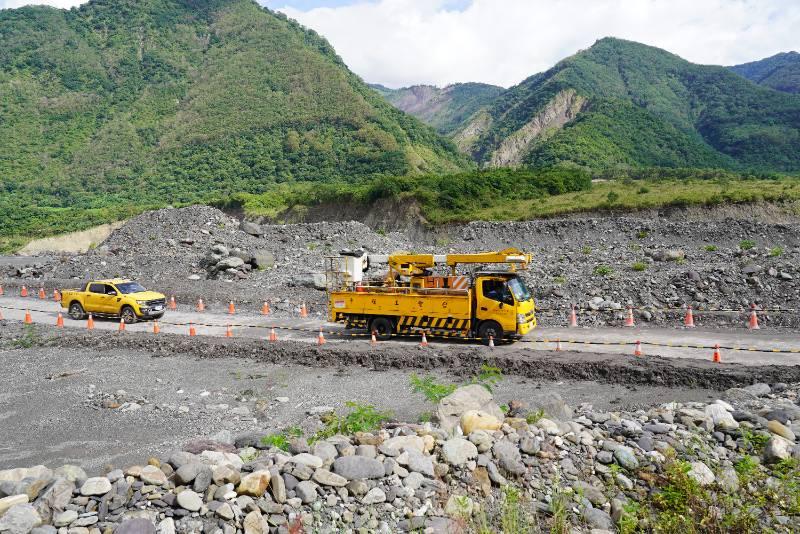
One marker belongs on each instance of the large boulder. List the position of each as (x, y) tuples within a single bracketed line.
[(553, 406), (251, 228), (263, 259), (464, 399)]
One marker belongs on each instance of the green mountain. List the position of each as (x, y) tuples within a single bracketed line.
[(621, 104), (168, 101), (446, 109), (780, 72)]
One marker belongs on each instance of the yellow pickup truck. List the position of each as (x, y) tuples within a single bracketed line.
[(114, 298)]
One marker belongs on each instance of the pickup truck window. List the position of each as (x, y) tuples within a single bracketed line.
[(130, 287), (97, 288)]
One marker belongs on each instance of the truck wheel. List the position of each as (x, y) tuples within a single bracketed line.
[(490, 328), (128, 315), (76, 311), (382, 327)]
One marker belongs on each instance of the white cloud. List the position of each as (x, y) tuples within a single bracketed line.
[(403, 42)]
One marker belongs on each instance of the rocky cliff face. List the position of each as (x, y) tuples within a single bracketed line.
[(559, 111)]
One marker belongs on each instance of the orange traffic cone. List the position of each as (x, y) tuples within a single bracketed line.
[(90, 323), (228, 331), (1, 316), (303, 310), (23, 292), (192, 331), (629, 319), (717, 357), (156, 328), (491, 342), (273, 336), (637, 349), (424, 342), (200, 305), (753, 324), (573, 318), (121, 325), (41, 293), (231, 308), (172, 304), (265, 308), (374, 340), (320, 337), (57, 295), (1, 290), (60, 321), (688, 321), (28, 319), (558, 345)]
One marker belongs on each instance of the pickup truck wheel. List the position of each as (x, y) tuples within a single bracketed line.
[(382, 327), (76, 311), (490, 328), (128, 315)]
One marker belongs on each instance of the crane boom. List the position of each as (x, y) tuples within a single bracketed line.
[(415, 264)]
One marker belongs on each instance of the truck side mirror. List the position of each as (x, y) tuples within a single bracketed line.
[(112, 293)]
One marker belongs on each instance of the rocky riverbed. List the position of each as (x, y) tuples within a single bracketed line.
[(652, 262)]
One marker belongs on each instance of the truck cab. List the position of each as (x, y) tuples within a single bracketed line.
[(113, 298), (504, 306)]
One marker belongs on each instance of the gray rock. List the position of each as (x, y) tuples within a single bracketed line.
[(728, 480), (73, 473), (777, 449), (251, 228), (625, 457), (55, 498), (202, 479), (357, 467), (306, 491), (759, 389), (20, 519), (553, 406), (324, 450), (263, 259), (420, 463), (64, 518), (277, 485), (45, 529), (458, 451), (96, 486), (508, 457), (701, 473), (374, 496), (413, 481), (231, 262), (327, 478), (180, 458), (530, 445), (136, 526), (188, 472), (225, 512), (595, 496), (189, 500), (471, 397), (596, 518)]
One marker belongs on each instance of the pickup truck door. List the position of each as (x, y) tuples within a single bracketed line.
[(96, 299), (495, 302)]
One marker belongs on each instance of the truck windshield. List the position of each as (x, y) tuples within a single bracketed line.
[(130, 287), (519, 290)]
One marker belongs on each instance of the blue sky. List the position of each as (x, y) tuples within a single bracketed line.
[(404, 42)]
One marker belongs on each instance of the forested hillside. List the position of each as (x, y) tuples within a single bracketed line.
[(157, 101), (446, 109), (780, 72), (623, 104)]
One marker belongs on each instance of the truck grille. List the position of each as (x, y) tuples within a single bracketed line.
[(155, 302)]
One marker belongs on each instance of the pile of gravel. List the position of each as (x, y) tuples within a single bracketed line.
[(602, 265), (589, 464)]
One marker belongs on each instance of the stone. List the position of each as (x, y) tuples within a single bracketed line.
[(137, 525), (63, 519), (463, 399), (189, 500), (231, 262), (20, 519), (21, 473), (552, 405), (595, 495), (225, 474), (263, 259), (188, 472), (419, 463), (472, 420), (254, 484), (701, 473), (203, 479), (759, 389), (551, 427), (481, 476), (508, 457), (324, 450), (625, 457), (96, 486), (166, 526), (777, 449), (306, 491), (307, 459), (12, 500), (413, 481), (328, 478), (458, 451), (253, 524), (251, 228), (153, 475), (728, 480), (459, 507), (597, 518), (277, 486), (405, 442), (722, 418), (530, 445), (374, 496), (357, 467), (44, 529), (781, 430), (73, 473), (482, 439), (225, 512)]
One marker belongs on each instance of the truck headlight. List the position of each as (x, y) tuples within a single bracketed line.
[(142, 303), (521, 319)]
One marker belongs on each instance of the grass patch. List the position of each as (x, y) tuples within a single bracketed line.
[(432, 390), (603, 270), (747, 244), (710, 248), (776, 252), (639, 266), (360, 418)]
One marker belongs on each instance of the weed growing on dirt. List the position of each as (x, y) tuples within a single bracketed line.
[(641, 234), (560, 280), (710, 248), (30, 337), (362, 418), (513, 515), (430, 389), (776, 251), (281, 440), (754, 441), (534, 417), (586, 250), (746, 244), (603, 270), (488, 377), (639, 266)]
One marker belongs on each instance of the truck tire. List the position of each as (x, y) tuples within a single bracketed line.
[(76, 311), (128, 315), (382, 327), (490, 328)]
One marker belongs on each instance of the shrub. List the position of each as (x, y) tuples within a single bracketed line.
[(641, 234), (559, 280), (430, 389), (710, 248), (488, 377), (586, 250), (639, 266), (603, 270), (362, 418), (776, 251), (746, 244)]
